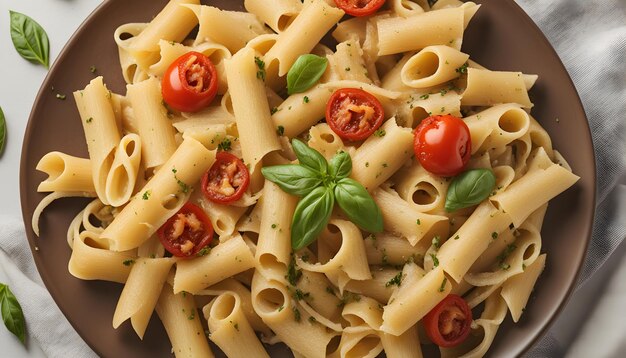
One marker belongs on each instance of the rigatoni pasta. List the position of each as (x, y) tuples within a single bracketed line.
[(188, 219)]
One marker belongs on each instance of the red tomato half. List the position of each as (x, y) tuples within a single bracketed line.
[(443, 145), (448, 324), (353, 113), (190, 83), (187, 232), (226, 180), (359, 7)]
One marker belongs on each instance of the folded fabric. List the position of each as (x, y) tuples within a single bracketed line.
[(590, 38), (44, 321)]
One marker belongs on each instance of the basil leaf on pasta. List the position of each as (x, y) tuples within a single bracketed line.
[(12, 314), (29, 39), (3, 131), (309, 157), (340, 166), (305, 72), (293, 179), (358, 205), (311, 216), (469, 188)]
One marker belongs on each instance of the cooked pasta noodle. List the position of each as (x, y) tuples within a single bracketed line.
[(164, 181)]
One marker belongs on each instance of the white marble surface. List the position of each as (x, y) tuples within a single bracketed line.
[(19, 85), (18, 88)]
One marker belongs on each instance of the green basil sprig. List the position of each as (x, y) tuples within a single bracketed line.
[(3, 131), (470, 188), (29, 39), (305, 72), (12, 314), (321, 184)]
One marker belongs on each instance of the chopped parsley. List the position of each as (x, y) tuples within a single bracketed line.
[(260, 74), (396, 280), (435, 260), (293, 273), (380, 133), (418, 222), (274, 110), (424, 96), (281, 308), (274, 226), (312, 319), (93, 69), (300, 295), (456, 237), (128, 262), (192, 315), (494, 235), (205, 251), (224, 145), (436, 242), (305, 99), (89, 120), (463, 69), (296, 314), (347, 69), (183, 186), (443, 284), (146, 195), (504, 255), (280, 130)]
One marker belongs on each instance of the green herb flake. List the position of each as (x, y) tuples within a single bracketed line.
[(300, 295), (418, 222), (296, 314), (456, 237), (494, 235), (424, 96), (128, 262), (380, 133), (224, 145), (305, 99), (435, 260), (463, 69), (293, 273), (260, 74), (146, 195), (192, 315), (89, 120), (280, 130), (93, 69), (396, 280), (443, 284), (60, 96), (436, 242), (281, 308), (205, 251), (312, 319)]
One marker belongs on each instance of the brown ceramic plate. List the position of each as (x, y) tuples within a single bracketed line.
[(501, 37)]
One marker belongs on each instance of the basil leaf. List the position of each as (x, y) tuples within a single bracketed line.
[(12, 314), (311, 216), (305, 72), (29, 39), (470, 188), (309, 157), (340, 166), (3, 131), (293, 179), (358, 205)]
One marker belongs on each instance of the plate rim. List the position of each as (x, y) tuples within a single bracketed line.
[(552, 317)]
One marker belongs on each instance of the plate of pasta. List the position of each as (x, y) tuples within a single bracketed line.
[(310, 178)]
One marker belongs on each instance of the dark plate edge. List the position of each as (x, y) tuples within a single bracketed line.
[(73, 39)]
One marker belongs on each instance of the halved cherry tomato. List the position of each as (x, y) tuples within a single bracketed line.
[(190, 83), (359, 7), (226, 180), (187, 232), (443, 145), (448, 324), (353, 113)]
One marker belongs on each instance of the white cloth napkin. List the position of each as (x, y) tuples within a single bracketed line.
[(590, 37), (44, 320)]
